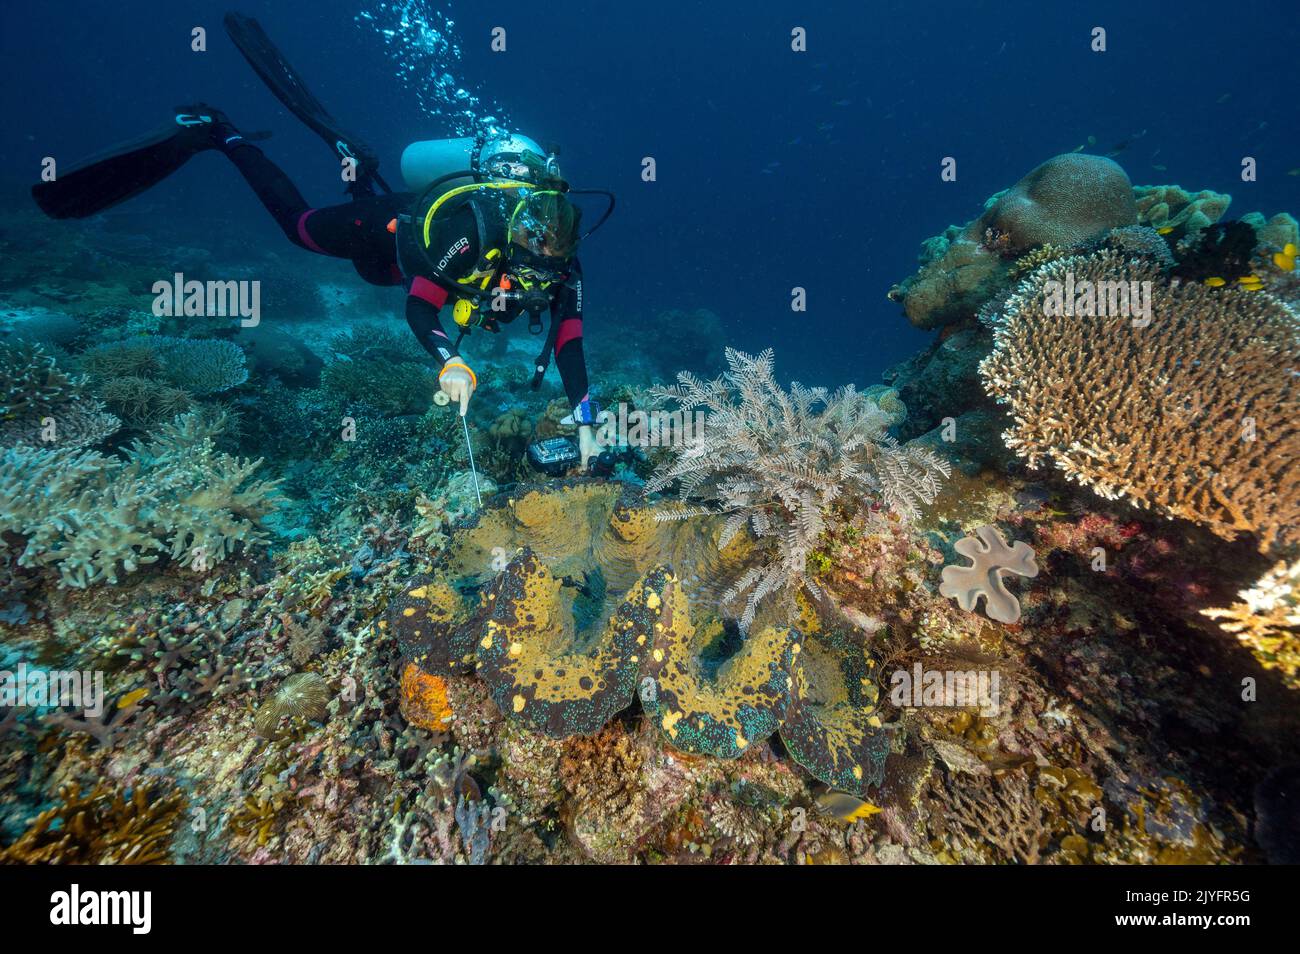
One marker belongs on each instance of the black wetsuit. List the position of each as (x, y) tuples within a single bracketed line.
[(358, 231)]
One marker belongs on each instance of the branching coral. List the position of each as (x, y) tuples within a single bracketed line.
[(773, 463), (1194, 414), (97, 517), (39, 404), (1267, 620), (195, 365), (104, 826)]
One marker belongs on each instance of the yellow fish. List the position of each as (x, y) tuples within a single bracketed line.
[(131, 698), (1164, 230), (1215, 282), (846, 807), (1285, 259), (1249, 280)]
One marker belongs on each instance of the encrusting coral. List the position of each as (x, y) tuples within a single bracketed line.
[(773, 463), (1192, 413)]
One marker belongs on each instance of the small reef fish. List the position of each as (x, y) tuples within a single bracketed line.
[(844, 806), (1160, 168), (1164, 230), (1215, 282), (1293, 172), (1285, 259), (1223, 99)]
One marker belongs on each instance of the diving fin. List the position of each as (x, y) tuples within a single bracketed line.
[(127, 169), (287, 86)]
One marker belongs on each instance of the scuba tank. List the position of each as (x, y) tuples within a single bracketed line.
[(493, 158)]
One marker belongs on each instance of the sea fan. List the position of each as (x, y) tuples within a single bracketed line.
[(774, 461)]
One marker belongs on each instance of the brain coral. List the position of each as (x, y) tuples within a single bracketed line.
[(1068, 200), (561, 600), (1194, 414)]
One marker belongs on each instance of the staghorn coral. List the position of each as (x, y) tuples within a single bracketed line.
[(106, 826), (773, 465), (96, 517), (1267, 620), (1204, 425), (990, 558)]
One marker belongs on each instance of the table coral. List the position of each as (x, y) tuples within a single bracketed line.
[(1204, 426)]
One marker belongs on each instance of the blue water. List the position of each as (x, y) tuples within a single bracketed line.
[(775, 169)]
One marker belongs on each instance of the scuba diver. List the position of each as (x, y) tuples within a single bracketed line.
[(486, 225)]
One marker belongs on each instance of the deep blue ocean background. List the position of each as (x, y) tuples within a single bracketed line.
[(775, 169)]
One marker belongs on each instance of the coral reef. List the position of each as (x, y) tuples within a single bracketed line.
[(1203, 426), (773, 464), (96, 517)]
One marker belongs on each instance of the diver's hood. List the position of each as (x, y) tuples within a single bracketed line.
[(494, 158)]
